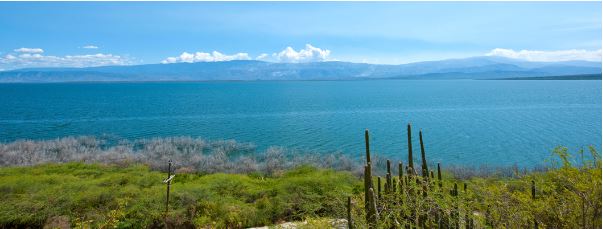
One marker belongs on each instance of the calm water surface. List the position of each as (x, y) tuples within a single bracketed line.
[(466, 122)]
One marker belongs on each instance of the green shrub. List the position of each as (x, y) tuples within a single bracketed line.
[(110, 196)]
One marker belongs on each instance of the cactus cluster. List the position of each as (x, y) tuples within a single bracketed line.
[(406, 194), (416, 200)]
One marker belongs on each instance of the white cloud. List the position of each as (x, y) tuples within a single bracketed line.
[(214, 56), (36, 60), (288, 55), (263, 56), (548, 56), (90, 47), (29, 50), (308, 54)]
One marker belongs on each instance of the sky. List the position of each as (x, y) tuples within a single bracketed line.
[(82, 34)]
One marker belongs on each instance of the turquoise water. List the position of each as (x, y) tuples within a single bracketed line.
[(464, 122)]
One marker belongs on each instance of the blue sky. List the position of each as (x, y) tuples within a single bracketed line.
[(56, 34)]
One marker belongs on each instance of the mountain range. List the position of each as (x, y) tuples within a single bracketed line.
[(483, 67)]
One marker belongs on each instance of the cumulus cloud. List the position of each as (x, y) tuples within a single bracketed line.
[(29, 59), (214, 56), (548, 56), (288, 55), (263, 56), (90, 47), (29, 50), (308, 54)]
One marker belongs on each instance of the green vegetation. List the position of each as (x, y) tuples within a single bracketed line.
[(565, 195), (104, 190), (106, 196)]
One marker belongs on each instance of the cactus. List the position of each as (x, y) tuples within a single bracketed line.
[(533, 190), (379, 187), (534, 198), (400, 175), (350, 223), (424, 169), (367, 146), (368, 177), (400, 170), (409, 192), (388, 183), (410, 160), (424, 189), (368, 183), (455, 191), (439, 176), (488, 215), (372, 216), (388, 178)]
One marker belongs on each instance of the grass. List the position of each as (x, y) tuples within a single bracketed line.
[(106, 196)]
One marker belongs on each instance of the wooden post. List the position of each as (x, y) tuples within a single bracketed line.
[(168, 182)]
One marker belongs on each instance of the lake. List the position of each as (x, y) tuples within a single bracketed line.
[(463, 121)]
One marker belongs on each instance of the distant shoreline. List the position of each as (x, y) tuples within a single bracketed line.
[(566, 77), (560, 77)]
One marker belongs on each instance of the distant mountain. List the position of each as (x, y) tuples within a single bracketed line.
[(468, 68)]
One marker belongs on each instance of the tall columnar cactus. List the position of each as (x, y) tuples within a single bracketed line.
[(439, 176), (534, 198), (379, 187), (424, 169), (410, 160), (533, 190), (400, 175), (387, 183), (372, 216), (455, 191), (368, 184), (388, 177), (367, 146), (400, 170), (368, 177), (487, 216), (349, 208), (467, 222), (424, 188)]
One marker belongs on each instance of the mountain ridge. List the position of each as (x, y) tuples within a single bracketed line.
[(483, 67)]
